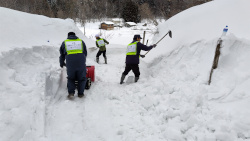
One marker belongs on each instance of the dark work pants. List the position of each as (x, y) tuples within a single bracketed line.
[(134, 68), (80, 76), (100, 52)]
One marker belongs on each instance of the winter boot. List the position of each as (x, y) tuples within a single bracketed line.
[(136, 79), (97, 60), (70, 96), (122, 78), (105, 58), (80, 95)]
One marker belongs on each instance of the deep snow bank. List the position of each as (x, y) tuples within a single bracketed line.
[(29, 58), (22, 106), (204, 22), (189, 108), (180, 70), (24, 30)]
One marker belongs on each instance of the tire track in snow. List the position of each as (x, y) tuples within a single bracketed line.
[(79, 113)]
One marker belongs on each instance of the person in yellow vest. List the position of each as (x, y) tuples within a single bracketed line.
[(100, 43), (133, 55), (74, 51)]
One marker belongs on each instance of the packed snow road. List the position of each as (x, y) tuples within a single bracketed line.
[(91, 117), (109, 111)]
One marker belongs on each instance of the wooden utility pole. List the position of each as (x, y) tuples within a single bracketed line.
[(144, 37), (216, 59)]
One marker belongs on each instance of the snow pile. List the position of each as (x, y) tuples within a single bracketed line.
[(21, 30), (205, 22), (29, 57), (190, 108), (180, 70)]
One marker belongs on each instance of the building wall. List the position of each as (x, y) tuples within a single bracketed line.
[(107, 27)]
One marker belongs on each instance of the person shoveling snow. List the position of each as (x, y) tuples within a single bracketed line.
[(133, 55), (100, 43)]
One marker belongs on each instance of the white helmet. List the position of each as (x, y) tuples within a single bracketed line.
[(97, 35)]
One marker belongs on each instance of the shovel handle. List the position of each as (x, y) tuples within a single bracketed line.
[(165, 36), (170, 34)]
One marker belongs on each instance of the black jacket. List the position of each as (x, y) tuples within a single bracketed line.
[(134, 59), (73, 61)]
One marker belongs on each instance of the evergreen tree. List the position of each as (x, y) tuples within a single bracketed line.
[(130, 12), (86, 10)]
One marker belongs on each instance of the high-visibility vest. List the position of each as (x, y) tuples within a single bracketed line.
[(132, 48), (100, 42), (73, 46)]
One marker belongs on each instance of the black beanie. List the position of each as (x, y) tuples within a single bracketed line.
[(71, 33)]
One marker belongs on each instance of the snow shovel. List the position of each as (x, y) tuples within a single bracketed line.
[(170, 35)]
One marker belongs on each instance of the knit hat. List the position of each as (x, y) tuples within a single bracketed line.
[(71, 33), (97, 35)]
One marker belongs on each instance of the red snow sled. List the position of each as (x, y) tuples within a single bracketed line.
[(90, 75)]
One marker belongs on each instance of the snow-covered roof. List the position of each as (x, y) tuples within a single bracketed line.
[(131, 23), (117, 20), (108, 22)]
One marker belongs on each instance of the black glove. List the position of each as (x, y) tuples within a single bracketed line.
[(61, 65), (142, 56), (154, 45)]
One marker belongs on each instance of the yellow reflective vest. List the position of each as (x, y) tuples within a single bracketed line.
[(73, 46), (132, 48)]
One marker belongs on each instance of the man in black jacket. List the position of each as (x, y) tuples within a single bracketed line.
[(74, 51), (133, 55)]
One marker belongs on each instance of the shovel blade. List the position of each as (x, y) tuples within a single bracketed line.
[(170, 33)]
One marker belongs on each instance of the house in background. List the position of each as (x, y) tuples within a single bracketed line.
[(130, 24), (107, 25), (117, 22)]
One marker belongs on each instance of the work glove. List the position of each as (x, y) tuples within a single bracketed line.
[(142, 56), (154, 45), (61, 65)]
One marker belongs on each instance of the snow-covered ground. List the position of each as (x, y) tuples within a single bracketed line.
[(171, 101)]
